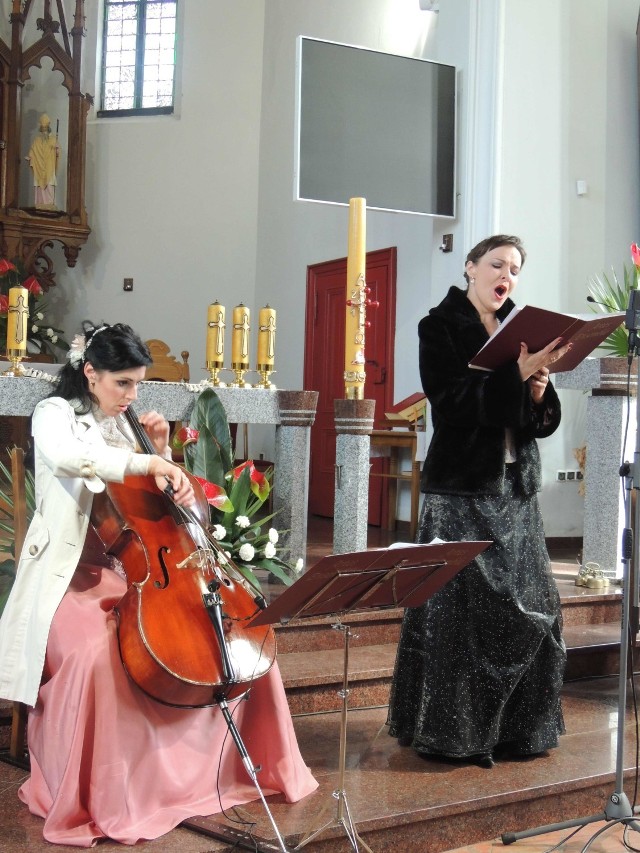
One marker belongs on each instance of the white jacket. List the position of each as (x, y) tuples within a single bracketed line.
[(71, 462)]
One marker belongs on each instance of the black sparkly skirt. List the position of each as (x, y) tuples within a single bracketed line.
[(481, 664)]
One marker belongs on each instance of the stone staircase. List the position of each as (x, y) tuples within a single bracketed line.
[(311, 651)]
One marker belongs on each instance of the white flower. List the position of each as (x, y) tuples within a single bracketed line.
[(246, 552), (219, 532), (50, 332), (273, 535), (299, 566), (54, 339), (39, 315), (269, 550), (34, 329), (243, 521)]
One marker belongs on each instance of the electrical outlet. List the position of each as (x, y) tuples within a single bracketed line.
[(579, 475), (571, 475), (561, 476), (128, 285)]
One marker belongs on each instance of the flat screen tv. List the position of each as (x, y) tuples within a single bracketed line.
[(376, 126)]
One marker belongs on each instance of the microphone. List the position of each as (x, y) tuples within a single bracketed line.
[(595, 302)]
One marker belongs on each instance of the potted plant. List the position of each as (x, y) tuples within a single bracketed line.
[(609, 294), (236, 493)]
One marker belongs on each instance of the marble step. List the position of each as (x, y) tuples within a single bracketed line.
[(313, 680)]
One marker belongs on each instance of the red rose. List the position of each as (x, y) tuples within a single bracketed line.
[(635, 255), (5, 266)]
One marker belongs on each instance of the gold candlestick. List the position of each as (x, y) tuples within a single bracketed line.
[(265, 371), (266, 346), (215, 342), (240, 344), (15, 357), (17, 316)]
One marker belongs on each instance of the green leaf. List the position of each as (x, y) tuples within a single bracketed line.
[(209, 412), (614, 294), (246, 570), (276, 569), (208, 463), (239, 495)]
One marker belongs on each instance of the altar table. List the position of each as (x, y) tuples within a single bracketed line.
[(292, 413)]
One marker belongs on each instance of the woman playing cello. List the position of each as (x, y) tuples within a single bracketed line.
[(108, 761)]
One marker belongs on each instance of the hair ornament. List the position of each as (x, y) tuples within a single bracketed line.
[(76, 351), (79, 346)]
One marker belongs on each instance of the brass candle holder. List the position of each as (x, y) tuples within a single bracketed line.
[(265, 371), (214, 368), (15, 356), (239, 368)]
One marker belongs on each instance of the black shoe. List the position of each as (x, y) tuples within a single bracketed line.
[(483, 759), (405, 740)]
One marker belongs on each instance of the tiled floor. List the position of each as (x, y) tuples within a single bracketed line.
[(386, 783)]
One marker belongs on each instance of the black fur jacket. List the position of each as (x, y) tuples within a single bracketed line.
[(470, 409)]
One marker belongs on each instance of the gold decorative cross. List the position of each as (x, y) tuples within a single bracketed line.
[(22, 312), (244, 340), (220, 326), (270, 329)]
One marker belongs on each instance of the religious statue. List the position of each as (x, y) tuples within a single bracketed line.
[(43, 159)]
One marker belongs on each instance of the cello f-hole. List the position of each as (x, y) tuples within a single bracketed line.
[(165, 574)]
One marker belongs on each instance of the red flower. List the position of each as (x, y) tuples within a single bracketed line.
[(33, 286), (5, 266), (4, 304), (259, 483), (183, 437), (635, 255), (215, 495)]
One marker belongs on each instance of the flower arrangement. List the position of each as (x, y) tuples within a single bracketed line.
[(612, 295), (42, 337), (236, 494)]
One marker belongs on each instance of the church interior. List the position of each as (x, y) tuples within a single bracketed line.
[(156, 217)]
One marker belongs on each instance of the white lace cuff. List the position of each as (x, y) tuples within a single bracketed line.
[(138, 463)]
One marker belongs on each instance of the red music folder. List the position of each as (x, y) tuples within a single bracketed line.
[(537, 327)]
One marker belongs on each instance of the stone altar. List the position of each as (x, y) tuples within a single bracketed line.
[(607, 411), (292, 413)]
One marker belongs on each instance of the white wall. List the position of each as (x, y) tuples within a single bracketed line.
[(570, 112), (200, 206), (172, 200)]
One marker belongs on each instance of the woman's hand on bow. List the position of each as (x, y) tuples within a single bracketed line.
[(167, 473)]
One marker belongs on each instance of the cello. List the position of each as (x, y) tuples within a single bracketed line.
[(182, 623)]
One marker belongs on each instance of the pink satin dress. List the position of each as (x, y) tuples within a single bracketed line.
[(109, 762)]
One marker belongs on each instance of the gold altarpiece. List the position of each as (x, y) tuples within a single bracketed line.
[(26, 232)]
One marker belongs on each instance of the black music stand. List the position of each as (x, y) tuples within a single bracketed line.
[(382, 578)]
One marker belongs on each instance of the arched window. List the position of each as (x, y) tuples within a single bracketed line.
[(138, 57)]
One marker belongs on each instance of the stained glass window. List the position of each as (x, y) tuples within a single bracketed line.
[(138, 56)]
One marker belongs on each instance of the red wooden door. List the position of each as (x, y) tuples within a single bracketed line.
[(324, 365)]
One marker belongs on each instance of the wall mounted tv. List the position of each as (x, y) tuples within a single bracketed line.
[(374, 125)]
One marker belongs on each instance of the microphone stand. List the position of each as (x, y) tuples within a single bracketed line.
[(618, 808)]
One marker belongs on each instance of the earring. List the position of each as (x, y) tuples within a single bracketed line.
[(472, 281)]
